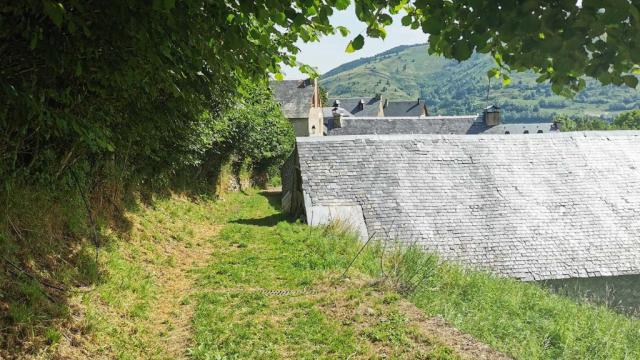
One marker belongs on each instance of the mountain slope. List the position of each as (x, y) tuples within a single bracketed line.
[(453, 88)]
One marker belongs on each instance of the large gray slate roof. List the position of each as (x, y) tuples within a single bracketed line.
[(543, 206), (294, 96), (472, 124)]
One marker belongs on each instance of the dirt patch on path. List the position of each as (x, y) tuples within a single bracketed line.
[(395, 328), (173, 311), (463, 344)]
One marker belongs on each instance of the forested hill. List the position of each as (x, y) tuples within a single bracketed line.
[(455, 88)]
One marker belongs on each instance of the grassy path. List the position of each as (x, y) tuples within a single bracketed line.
[(273, 290), (233, 279)]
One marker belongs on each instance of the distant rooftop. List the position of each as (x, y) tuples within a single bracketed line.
[(365, 106), (471, 124), (294, 96)]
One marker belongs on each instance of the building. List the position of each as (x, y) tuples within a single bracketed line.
[(532, 207), (489, 122), (300, 103)]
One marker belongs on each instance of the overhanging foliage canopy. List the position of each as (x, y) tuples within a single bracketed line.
[(90, 78)]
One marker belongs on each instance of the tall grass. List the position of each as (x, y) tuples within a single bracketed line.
[(518, 318)]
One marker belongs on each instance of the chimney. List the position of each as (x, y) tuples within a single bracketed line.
[(361, 104), (491, 115), (317, 102)]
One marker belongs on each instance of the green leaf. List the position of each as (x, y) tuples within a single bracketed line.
[(306, 69), (34, 41), (462, 50), (557, 87), (343, 30), (355, 44), (279, 76), (506, 80), (169, 4), (406, 20), (385, 19), (493, 73), (342, 4), (358, 42)]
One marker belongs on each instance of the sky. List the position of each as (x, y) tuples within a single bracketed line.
[(329, 51)]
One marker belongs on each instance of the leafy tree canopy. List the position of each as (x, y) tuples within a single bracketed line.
[(89, 79), (560, 40), (629, 120)]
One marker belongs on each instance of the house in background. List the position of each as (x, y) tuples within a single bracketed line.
[(300, 103)]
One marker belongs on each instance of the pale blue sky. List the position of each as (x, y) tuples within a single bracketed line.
[(329, 51)]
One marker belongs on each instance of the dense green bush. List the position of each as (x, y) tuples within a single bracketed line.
[(629, 120), (254, 130)]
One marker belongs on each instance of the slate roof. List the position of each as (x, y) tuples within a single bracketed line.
[(550, 206), (329, 112), (405, 108), (472, 124), (294, 96), (352, 105)]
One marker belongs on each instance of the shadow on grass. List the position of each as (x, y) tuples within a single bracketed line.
[(273, 196), (268, 221)]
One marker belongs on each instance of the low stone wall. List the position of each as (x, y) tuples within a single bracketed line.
[(551, 206)]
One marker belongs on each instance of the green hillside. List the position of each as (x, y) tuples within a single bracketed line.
[(453, 88)]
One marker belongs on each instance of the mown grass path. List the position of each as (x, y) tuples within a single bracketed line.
[(235, 279), (274, 290)]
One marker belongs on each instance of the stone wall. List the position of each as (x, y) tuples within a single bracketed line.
[(548, 206)]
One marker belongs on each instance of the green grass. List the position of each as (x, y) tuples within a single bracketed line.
[(525, 320), (260, 249), (248, 249), (265, 251)]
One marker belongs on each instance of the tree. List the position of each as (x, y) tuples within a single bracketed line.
[(629, 120), (253, 131), (560, 40), (89, 82), (582, 123)]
